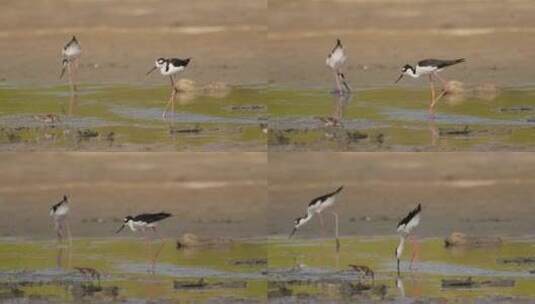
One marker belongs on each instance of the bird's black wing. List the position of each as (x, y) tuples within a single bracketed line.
[(151, 217), (324, 197), (179, 62), (439, 63), (409, 216)]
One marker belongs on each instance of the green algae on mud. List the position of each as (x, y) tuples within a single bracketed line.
[(129, 118), (395, 119), (312, 267), (45, 270), (302, 269)]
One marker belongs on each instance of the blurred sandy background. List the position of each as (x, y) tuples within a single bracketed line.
[(256, 41)]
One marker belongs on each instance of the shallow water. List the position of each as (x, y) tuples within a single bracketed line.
[(232, 118), (237, 271)]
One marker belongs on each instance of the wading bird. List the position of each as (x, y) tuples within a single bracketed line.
[(59, 212), (170, 67), (335, 60), (430, 67), (317, 205), (71, 58), (143, 222), (404, 228)]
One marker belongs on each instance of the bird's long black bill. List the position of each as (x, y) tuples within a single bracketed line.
[(62, 72), (293, 232), (151, 70), (400, 76), (120, 229)]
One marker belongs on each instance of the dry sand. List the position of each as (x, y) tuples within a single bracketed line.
[(475, 193), (276, 41), (226, 194), (210, 194)]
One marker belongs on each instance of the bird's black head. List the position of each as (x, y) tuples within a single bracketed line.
[(65, 198), (406, 67), (160, 61), (127, 219), (405, 70)]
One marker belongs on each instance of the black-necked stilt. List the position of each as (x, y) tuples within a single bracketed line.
[(141, 223), (404, 228), (335, 60), (170, 67), (317, 205), (59, 212), (430, 67), (71, 54)]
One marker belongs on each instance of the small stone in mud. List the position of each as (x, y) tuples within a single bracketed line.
[(250, 262), (517, 260), (459, 283), (201, 283), (195, 129), (517, 109), (356, 136), (248, 107), (465, 131), (87, 133), (279, 292), (498, 283), (461, 239), (363, 269), (532, 271)]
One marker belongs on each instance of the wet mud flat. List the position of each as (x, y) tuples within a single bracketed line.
[(259, 271), (394, 119), (126, 118), (111, 271), (311, 271)]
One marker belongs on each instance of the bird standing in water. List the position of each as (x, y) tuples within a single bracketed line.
[(71, 53), (430, 67), (59, 212), (404, 228), (335, 60), (141, 223), (170, 67)]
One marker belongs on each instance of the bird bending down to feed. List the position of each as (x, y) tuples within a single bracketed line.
[(59, 212), (404, 228), (335, 60), (430, 67), (141, 223), (170, 67), (317, 206), (70, 60)]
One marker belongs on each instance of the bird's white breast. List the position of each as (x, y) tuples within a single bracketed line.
[(62, 210), (171, 70), (325, 204), (424, 70), (72, 51), (336, 59), (407, 228)]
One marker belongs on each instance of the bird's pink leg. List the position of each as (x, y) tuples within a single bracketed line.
[(444, 81), (338, 85), (433, 100), (171, 102), (415, 251), (322, 225)]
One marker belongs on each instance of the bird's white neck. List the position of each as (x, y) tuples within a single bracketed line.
[(412, 72), (131, 225)]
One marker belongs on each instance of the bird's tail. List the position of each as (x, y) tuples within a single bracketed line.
[(457, 61)]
